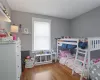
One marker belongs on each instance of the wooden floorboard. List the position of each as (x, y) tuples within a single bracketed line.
[(54, 71)]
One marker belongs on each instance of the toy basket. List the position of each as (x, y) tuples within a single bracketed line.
[(29, 63)]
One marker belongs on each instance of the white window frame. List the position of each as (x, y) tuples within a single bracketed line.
[(41, 20)]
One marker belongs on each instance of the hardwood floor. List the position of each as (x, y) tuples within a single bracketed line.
[(54, 71)]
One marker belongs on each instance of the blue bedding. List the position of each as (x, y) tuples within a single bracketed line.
[(82, 45)]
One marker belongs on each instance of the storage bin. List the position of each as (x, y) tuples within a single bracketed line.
[(29, 63)]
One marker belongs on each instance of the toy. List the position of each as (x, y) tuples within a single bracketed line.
[(29, 62), (28, 57), (3, 33), (41, 52)]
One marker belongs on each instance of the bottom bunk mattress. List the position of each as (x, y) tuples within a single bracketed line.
[(77, 67), (95, 72), (70, 62), (62, 60)]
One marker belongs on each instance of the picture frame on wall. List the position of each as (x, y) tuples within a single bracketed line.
[(26, 31)]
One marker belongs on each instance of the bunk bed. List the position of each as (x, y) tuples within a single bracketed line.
[(77, 64)]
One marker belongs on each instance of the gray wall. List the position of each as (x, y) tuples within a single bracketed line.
[(86, 25), (3, 24), (59, 27)]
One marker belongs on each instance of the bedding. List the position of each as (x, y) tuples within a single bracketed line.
[(68, 46), (95, 72), (62, 60), (67, 58), (82, 45), (70, 62), (66, 54), (78, 67)]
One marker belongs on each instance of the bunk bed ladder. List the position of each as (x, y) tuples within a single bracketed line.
[(84, 52)]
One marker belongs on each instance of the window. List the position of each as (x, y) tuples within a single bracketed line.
[(41, 39)]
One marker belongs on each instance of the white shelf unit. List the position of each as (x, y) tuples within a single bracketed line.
[(26, 33), (10, 60), (43, 59)]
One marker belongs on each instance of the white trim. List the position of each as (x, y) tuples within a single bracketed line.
[(41, 20)]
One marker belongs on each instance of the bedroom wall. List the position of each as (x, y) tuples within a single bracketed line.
[(59, 27), (86, 25)]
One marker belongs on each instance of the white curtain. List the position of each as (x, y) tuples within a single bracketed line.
[(42, 35)]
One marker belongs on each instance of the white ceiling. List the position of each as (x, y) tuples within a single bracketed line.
[(58, 8)]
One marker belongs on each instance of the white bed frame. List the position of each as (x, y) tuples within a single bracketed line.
[(93, 44), (63, 41)]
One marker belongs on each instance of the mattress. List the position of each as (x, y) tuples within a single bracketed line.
[(78, 68), (70, 62)]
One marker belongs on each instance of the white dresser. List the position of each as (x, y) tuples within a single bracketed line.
[(10, 60)]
